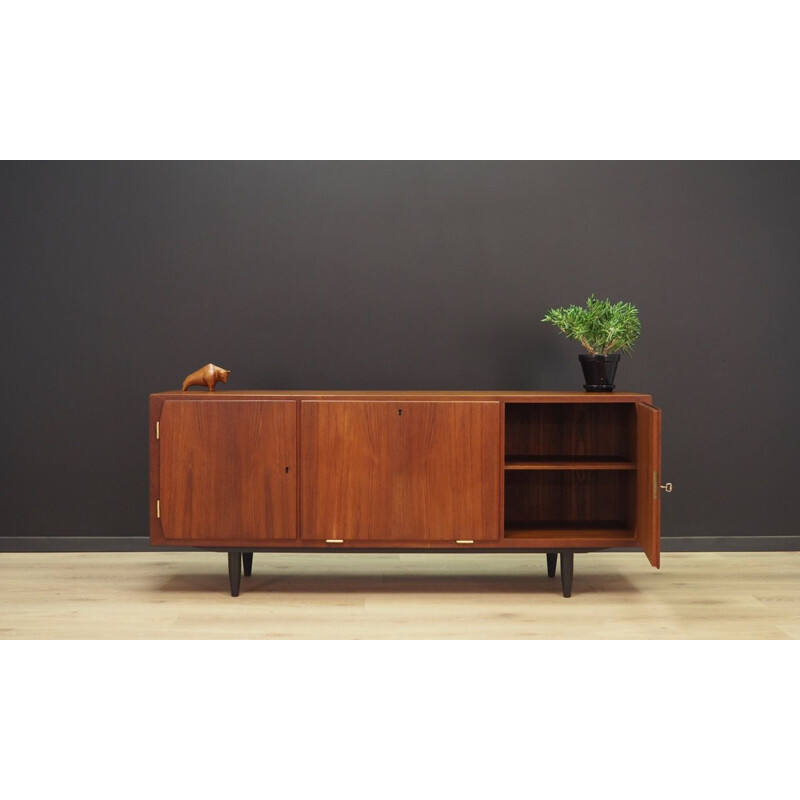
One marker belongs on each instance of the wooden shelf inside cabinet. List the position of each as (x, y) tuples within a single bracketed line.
[(539, 529), (567, 463)]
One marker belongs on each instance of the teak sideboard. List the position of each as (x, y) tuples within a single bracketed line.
[(550, 472)]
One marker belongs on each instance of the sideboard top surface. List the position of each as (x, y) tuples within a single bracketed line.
[(507, 396)]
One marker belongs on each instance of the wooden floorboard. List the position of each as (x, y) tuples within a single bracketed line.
[(398, 596)]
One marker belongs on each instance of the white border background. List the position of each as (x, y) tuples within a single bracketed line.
[(411, 80)]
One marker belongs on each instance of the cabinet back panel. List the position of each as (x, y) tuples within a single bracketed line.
[(580, 496), (570, 429)]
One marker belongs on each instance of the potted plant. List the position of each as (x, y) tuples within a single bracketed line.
[(603, 328)]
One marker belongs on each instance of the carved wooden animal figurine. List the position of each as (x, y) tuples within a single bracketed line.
[(207, 376)]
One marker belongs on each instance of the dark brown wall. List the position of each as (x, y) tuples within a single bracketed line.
[(120, 278)]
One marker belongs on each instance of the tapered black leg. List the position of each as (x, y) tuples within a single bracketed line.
[(235, 572), (247, 560), (551, 564), (567, 559)]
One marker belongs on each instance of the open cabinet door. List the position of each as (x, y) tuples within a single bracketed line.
[(648, 481)]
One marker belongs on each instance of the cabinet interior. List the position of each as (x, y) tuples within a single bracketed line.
[(569, 470), (570, 432)]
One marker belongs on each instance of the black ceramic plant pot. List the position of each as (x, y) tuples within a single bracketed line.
[(599, 371)]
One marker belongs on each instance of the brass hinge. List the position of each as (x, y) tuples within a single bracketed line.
[(158, 509), (465, 541), (158, 430)]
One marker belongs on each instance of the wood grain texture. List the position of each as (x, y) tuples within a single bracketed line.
[(648, 478), (527, 463), (399, 470), (228, 471), (453, 470), (534, 397), (577, 499), (353, 483), (569, 474), (209, 375), (600, 431), (163, 595), (156, 404), (420, 470)]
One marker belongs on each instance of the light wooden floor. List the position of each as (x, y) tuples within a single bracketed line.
[(391, 596)]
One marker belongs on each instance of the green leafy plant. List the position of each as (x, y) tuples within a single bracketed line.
[(602, 327)]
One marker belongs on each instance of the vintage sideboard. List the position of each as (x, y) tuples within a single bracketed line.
[(551, 472)]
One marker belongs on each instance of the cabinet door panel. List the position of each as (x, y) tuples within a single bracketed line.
[(399, 471), (353, 483), (648, 479), (227, 470), (454, 471)]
